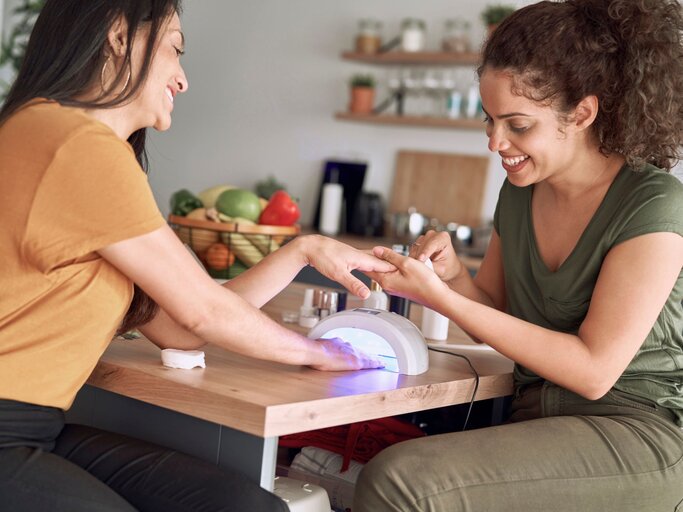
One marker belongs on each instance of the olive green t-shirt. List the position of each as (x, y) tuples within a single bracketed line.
[(636, 203)]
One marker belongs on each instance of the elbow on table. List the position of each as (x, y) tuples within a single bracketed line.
[(195, 319)]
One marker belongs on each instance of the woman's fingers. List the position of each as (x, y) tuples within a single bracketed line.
[(369, 262), (364, 262), (432, 244), (336, 261), (354, 285), (418, 249), (345, 356), (388, 255)]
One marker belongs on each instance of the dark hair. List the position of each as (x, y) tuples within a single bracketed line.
[(628, 53), (66, 53)]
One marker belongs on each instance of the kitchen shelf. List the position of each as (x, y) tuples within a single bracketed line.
[(425, 122), (415, 58)]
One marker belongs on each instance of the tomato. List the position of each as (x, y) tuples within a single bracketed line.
[(281, 210), (219, 257)]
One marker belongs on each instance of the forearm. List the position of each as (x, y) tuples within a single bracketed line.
[(229, 321), (165, 332), (465, 285), (214, 314), (262, 282), (561, 358)]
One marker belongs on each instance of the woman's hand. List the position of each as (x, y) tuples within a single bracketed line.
[(438, 247), (342, 356), (336, 260), (411, 278)]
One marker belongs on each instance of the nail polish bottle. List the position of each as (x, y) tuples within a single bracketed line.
[(377, 298), (397, 304), (308, 313)]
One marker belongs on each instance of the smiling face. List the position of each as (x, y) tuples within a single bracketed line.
[(529, 137), (153, 105)]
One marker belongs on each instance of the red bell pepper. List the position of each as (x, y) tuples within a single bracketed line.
[(280, 211)]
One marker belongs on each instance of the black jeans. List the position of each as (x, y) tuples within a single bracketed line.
[(48, 466)]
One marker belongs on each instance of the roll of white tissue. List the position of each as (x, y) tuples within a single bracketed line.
[(182, 359), (331, 208)]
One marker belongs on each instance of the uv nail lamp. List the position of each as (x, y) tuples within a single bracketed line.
[(388, 336)]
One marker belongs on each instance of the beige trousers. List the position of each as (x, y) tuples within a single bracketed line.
[(559, 453)]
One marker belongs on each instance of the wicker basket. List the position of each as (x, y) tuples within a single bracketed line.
[(249, 243)]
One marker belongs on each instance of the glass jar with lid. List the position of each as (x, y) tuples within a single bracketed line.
[(456, 36), (369, 38), (413, 35)]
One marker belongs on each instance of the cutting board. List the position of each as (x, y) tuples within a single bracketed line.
[(447, 186)]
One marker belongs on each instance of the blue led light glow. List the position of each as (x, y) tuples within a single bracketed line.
[(368, 342)]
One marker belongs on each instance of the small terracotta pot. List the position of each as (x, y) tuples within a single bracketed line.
[(362, 100)]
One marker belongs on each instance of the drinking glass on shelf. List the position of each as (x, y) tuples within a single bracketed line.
[(394, 80), (413, 80), (433, 92), (452, 95)]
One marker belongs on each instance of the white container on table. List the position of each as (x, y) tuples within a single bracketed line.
[(434, 325)]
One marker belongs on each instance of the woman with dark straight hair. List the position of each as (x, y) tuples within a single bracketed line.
[(582, 283), (79, 228)]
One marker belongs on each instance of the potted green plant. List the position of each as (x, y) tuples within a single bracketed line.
[(493, 14), (13, 46), (362, 94)]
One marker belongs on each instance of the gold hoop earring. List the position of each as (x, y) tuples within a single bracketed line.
[(104, 67), (126, 82)]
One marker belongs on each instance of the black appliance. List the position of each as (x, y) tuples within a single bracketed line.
[(367, 215), (349, 175)]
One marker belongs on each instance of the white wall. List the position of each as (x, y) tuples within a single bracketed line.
[(265, 79)]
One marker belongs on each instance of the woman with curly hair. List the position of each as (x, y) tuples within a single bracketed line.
[(581, 285)]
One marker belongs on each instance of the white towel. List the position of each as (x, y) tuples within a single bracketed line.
[(323, 462)]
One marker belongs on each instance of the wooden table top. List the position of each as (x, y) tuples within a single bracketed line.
[(271, 399)]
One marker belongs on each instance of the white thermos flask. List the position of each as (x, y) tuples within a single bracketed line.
[(331, 207), (434, 325)]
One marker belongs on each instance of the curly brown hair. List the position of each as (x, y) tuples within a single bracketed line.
[(628, 53)]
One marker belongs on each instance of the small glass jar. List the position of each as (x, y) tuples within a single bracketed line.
[(413, 35), (456, 36), (369, 39)]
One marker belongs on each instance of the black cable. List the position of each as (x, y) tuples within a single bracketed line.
[(476, 377)]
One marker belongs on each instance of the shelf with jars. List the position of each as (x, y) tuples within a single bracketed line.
[(423, 87), (422, 96), (423, 58)]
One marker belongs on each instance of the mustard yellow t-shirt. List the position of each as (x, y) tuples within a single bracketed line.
[(68, 187)]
